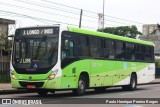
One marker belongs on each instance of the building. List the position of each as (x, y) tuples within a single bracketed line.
[(149, 29), (4, 26), (150, 33)]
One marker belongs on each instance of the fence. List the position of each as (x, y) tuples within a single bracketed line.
[(4, 69)]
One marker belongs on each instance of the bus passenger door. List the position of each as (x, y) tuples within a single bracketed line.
[(68, 57)]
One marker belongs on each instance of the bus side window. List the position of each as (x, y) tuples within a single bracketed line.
[(109, 50), (71, 49), (130, 51), (68, 49), (120, 50)]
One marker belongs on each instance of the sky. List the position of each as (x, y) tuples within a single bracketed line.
[(48, 12)]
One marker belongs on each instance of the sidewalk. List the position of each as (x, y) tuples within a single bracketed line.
[(156, 81), (6, 88)]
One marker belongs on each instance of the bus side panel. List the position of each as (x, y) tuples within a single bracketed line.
[(145, 72), (71, 73), (106, 72), (102, 72), (122, 72)]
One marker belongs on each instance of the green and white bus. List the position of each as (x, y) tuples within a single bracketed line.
[(51, 58)]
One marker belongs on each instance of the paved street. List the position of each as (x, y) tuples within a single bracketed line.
[(143, 91)]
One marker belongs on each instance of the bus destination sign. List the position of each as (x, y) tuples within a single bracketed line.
[(46, 31)]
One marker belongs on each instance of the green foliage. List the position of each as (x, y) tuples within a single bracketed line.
[(2, 41), (5, 42), (127, 31), (157, 63)]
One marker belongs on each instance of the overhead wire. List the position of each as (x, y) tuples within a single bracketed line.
[(89, 11), (44, 6), (35, 18), (40, 19), (78, 9), (45, 12), (65, 16)]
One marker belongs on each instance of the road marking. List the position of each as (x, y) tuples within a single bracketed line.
[(51, 101), (3, 105), (8, 105), (138, 92), (130, 93), (133, 106), (112, 94)]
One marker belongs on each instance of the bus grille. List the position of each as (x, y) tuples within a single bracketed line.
[(37, 84)]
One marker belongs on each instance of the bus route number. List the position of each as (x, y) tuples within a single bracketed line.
[(25, 60)]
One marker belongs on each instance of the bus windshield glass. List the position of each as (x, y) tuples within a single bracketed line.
[(35, 51)]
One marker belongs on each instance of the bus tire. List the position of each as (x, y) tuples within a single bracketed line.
[(81, 86), (133, 84), (42, 92)]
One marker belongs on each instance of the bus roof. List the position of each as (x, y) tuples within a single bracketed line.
[(107, 35)]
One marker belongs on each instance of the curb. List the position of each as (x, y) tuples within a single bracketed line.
[(154, 83), (14, 91)]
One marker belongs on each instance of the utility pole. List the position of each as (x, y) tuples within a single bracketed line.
[(80, 21), (100, 21), (103, 12)]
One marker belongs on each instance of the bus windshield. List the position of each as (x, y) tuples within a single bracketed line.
[(35, 53)]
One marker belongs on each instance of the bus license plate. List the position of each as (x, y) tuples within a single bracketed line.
[(31, 86)]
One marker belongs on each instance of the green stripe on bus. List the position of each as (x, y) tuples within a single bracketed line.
[(106, 35)]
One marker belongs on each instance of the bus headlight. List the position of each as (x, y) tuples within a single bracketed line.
[(12, 75), (52, 76)]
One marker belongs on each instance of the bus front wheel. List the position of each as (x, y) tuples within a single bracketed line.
[(81, 86)]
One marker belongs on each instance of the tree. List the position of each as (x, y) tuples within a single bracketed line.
[(5, 44), (127, 31), (2, 42)]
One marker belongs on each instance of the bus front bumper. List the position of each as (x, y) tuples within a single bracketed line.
[(41, 84)]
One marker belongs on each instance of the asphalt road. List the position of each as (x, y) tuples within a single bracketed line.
[(60, 97)]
